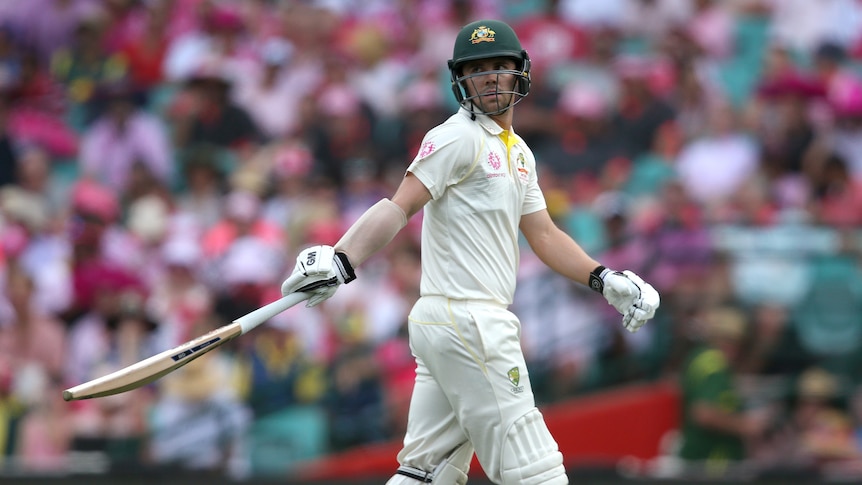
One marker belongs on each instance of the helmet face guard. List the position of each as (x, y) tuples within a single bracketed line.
[(474, 102), (488, 39)]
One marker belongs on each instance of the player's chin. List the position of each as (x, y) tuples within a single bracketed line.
[(492, 103)]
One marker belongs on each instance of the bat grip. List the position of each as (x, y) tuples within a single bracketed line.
[(256, 318)]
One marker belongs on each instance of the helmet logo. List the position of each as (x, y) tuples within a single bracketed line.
[(482, 34)]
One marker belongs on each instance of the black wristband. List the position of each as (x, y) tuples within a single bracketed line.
[(596, 283), (345, 267)]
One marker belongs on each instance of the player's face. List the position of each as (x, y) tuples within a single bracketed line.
[(493, 90)]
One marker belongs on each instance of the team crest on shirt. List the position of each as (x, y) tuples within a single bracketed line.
[(426, 149), (482, 34), (521, 164), (514, 376)]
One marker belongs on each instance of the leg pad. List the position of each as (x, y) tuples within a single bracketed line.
[(531, 455)]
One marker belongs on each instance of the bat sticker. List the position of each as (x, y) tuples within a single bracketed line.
[(196, 348)]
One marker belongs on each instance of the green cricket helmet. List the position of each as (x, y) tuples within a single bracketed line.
[(486, 39)]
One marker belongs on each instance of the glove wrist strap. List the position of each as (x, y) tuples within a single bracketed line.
[(596, 283), (345, 267)]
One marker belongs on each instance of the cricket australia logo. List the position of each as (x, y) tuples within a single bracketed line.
[(482, 34), (514, 376), (523, 173)]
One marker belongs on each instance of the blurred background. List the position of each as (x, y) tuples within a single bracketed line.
[(162, 162)]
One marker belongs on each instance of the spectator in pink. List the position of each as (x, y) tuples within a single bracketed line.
[(40, 337), (221, 40), (200, 197), (31, 240), (843, 135), (242, 217), (837, 195), (99, 245), (37, 108), (713, 167), (125, 135), (34, 173), (713, 27), (38, 348), (289, 162), (114, 333), (681, 249), (271, 92), (180, 299), (47, 25)]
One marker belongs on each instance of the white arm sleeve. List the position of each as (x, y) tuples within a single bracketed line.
[(372, 231)]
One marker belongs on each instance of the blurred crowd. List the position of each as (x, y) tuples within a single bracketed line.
[(161, 163)]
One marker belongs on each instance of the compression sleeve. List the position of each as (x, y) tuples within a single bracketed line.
[(372, 231)]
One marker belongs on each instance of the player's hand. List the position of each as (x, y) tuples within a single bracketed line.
[(634, 298), (319, 271)]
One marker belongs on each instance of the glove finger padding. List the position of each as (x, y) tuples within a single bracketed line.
[(320, 295), (644, 307), (620, 291), (628, 293), (634, 320), (292, 283), (649, 300)]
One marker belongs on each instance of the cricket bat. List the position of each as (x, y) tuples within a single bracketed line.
[(152, 368)]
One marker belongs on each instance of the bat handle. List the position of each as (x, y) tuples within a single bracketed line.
[(254, 319)]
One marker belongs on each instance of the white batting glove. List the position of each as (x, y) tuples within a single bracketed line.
[(634, 298), (320, 271)]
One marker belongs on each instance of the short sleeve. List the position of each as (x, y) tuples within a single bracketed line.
[(535, 199), (445, 157)]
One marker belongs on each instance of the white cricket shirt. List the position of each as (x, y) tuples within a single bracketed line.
[(482, 179)]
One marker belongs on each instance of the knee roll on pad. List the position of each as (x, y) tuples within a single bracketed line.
[(530, 455)]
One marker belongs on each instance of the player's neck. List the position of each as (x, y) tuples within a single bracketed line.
[(504, 119)]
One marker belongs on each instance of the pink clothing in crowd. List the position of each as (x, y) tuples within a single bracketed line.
[(108, 153)]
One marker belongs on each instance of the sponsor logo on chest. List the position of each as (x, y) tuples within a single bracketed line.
[(495, 162)]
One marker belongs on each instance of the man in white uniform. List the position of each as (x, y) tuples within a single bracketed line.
[(476, 180)]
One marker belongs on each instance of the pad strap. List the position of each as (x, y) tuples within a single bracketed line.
[(415, 473)]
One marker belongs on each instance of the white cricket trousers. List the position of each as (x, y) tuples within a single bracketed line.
[(472, 385)]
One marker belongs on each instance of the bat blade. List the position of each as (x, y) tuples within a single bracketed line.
[(163, 363)]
